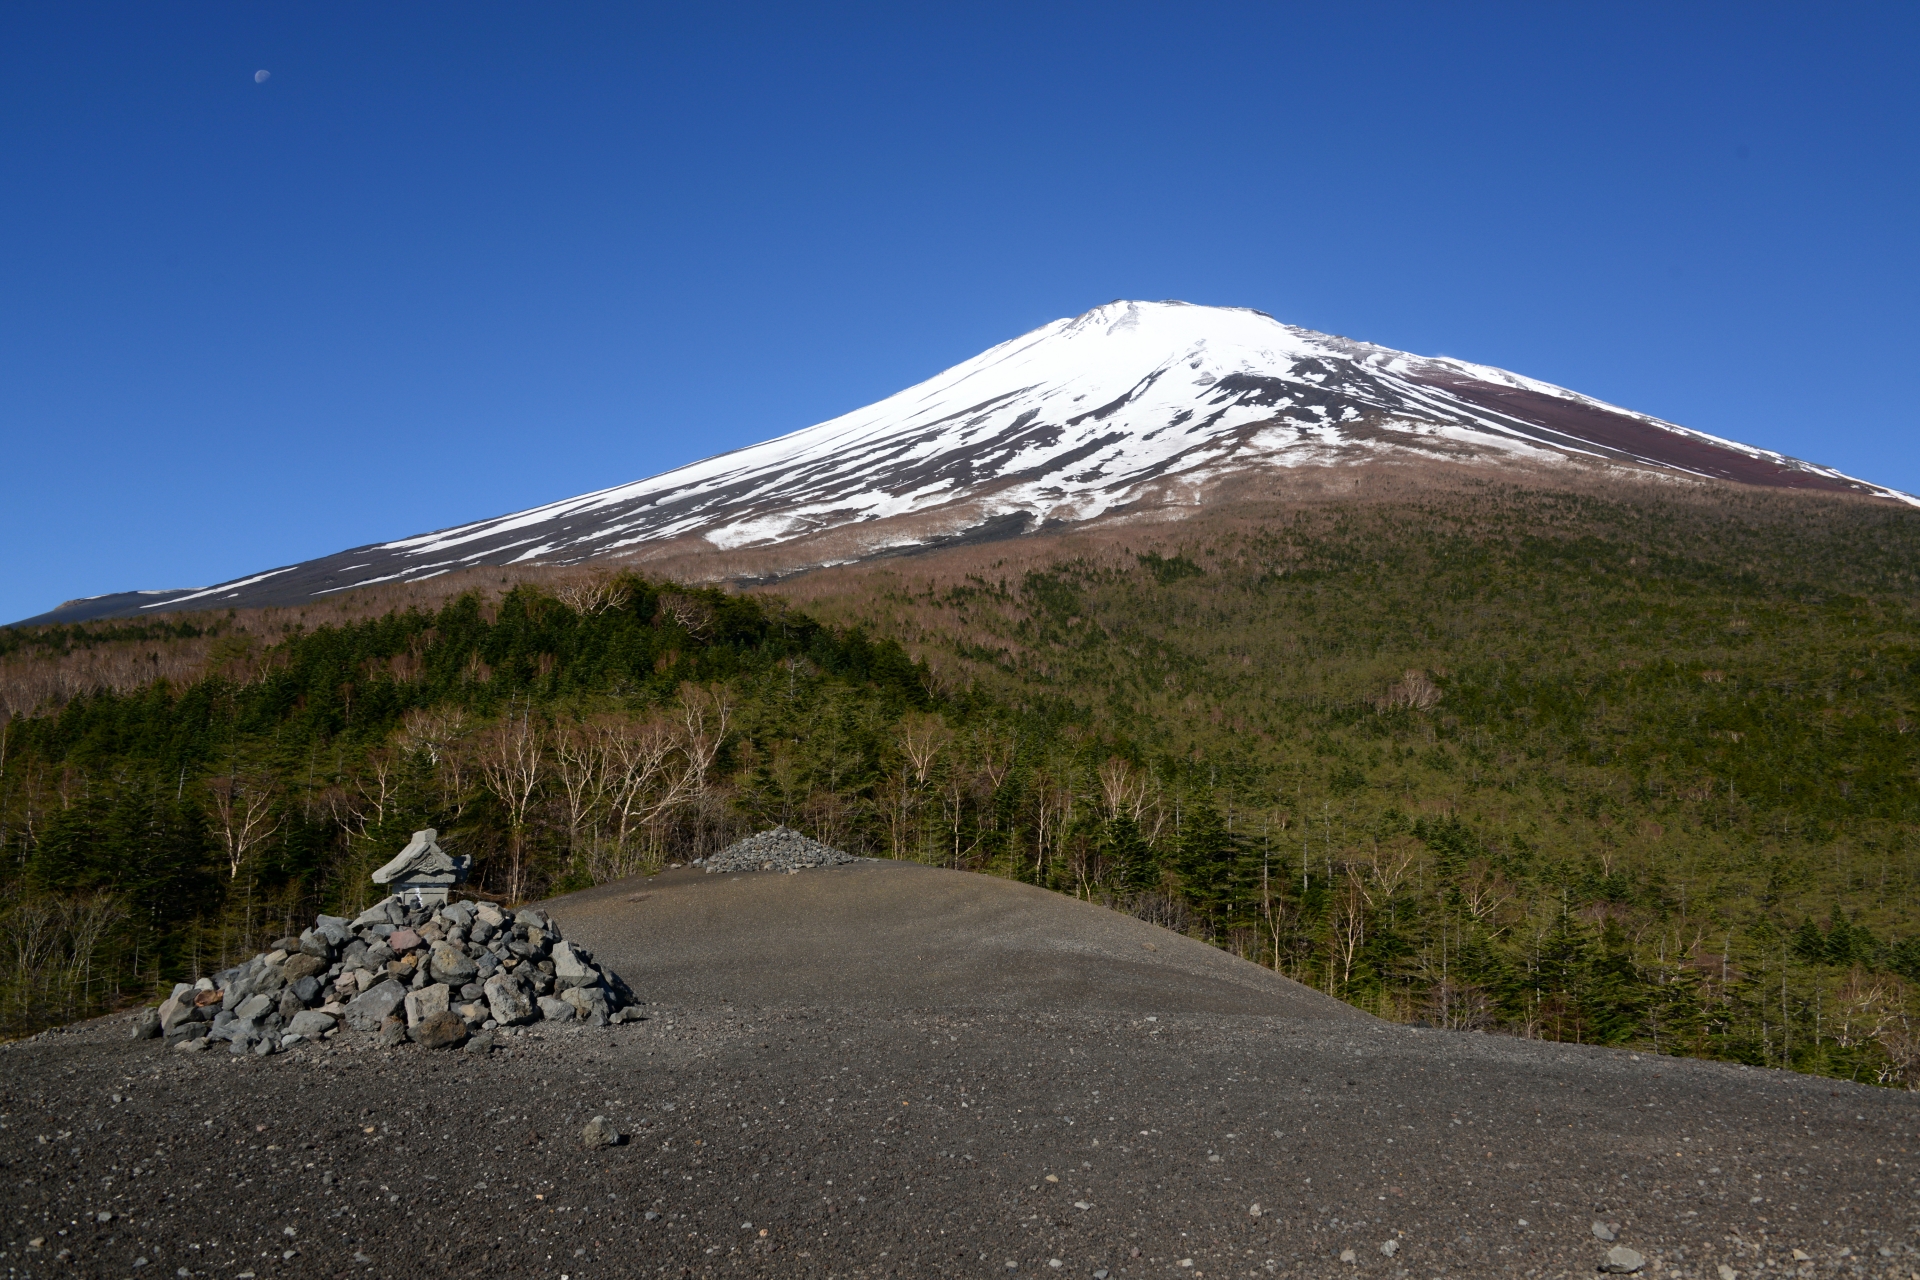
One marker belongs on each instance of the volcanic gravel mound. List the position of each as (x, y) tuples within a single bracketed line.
[(781, 849)]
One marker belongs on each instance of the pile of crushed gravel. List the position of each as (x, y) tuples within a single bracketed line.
[(781, 849)]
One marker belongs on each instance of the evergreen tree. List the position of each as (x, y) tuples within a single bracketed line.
[(1207, 857)]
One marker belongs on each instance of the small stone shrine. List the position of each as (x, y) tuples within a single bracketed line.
[(422, 873)]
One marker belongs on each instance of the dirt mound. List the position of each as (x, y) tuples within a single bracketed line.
[(902, 935)]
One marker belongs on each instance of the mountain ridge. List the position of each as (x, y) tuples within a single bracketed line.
[(1126, 407)]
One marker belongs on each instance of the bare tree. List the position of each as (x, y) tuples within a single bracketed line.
[(707, 713), (922, 736), (1414, 691), (513, 762), (649, 773), (378, 785), (431, 732), (243, 805), (997, 751), (594, 594), (579, 762), (86, 920), (694, 615), (1121, 787), (1349, 927)]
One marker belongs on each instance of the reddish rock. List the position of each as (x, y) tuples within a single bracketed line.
[(403, 940), (443, 1030)]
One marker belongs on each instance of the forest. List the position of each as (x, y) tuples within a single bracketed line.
[(1628, 770)]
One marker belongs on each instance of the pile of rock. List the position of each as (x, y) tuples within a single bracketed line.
[(781, 849), (439, 976)]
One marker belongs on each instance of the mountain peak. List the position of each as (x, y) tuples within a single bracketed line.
[(1128, 405)]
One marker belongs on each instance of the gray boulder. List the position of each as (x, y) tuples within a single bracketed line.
[(508, 1001), (554, 1009), (426, 1002), (188, 1031), (302, 966), (451, 965), (366, 1011), (146, 1025), (375, 914), (254, 1006), (176, 1010), (570, 968), (310, 1023), (600, 1133)]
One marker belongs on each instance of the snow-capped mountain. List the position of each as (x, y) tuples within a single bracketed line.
[(1133, 403)]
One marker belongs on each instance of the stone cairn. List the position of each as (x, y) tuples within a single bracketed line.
[(781, 849), (439, 975)]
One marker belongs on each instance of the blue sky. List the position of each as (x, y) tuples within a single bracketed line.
[(449, 261)]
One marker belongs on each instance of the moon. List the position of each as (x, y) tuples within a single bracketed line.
[(260, 77)]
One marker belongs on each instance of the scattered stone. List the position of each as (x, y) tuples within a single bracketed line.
[(1348, 1255), (1606, 1231), (781, 849), (442, 1030), (1253, 1211), (1622, 1261), (1801, 1255), (600, 1133), (146, 1025), (1390, 1247), (1728, 1273), (481, 1044)]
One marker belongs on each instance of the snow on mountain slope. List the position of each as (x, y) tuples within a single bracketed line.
[(1131, 403)]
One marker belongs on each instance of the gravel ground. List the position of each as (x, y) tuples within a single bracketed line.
[(937, 1137)]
